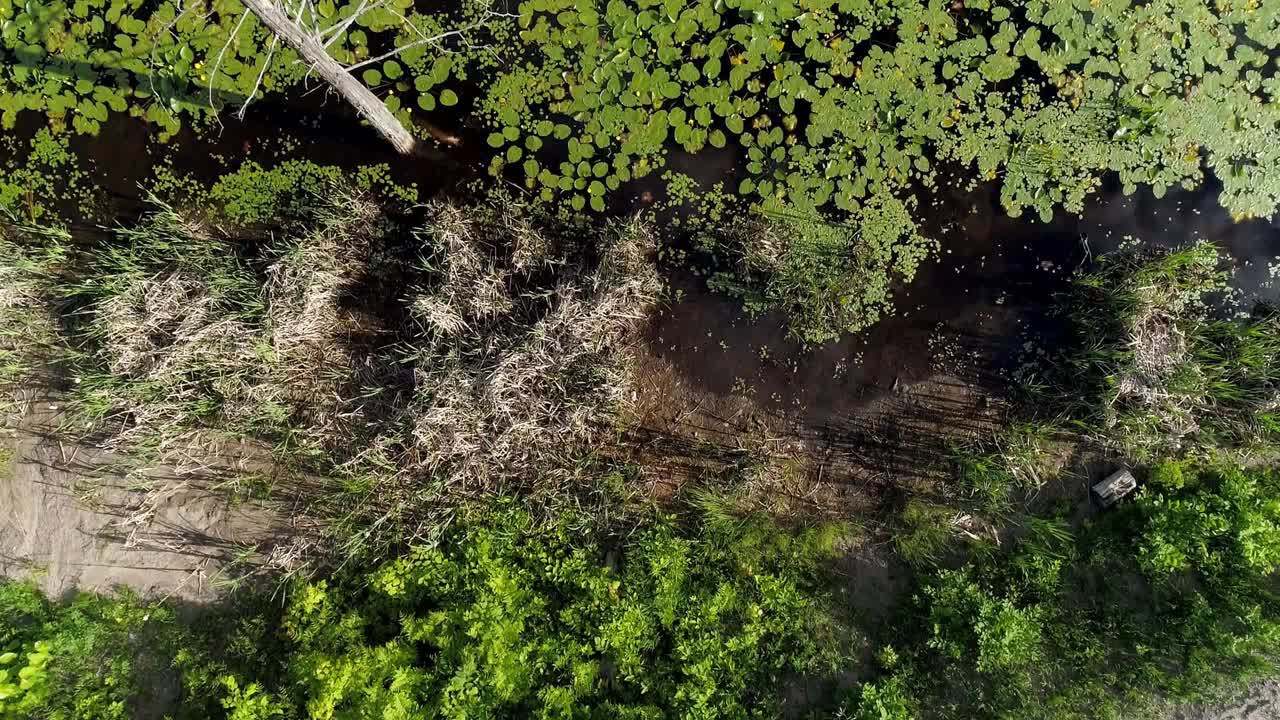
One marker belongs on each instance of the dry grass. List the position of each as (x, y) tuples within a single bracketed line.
[(253, 351), (502, 364), (29, 332), (510, 371), (1160, 351)]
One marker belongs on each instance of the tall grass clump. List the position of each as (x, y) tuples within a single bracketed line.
[(30, 342), (1155, 369), (520, 340), (478, 348), (177, 327), (1020, 458)]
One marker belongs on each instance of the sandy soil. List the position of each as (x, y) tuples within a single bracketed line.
[(72, 520), (1259, 701)]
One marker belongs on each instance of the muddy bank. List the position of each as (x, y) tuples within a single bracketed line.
[(1257, 701), (72, 517)]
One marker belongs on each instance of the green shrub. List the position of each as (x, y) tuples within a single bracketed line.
[(1169, 596), (1222, 520), (890, 699), (504, 619), (87, 658)]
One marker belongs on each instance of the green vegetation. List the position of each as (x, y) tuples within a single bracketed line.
[(484, 558), (1155, 373), (41, 174), (444, 385), (506, 618), (86, 658), (832, 102), (256, 194), (1167, 597), (829, 279)]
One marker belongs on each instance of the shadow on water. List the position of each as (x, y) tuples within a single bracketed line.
[(877, 408), (125, 154), (968, 312)]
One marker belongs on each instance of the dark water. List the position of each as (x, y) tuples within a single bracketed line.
[(972, 311), (127, 152), (971, 314)]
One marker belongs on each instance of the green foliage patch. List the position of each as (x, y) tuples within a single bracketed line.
[(508, 617), (1168, 597), (88, 658), (1154, 371)]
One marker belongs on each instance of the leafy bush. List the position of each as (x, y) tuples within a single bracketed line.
[(87, 658), (505, 618), (1169, 596), (1222, 520)]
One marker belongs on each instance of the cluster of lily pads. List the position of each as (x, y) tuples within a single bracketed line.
[(822, 107)]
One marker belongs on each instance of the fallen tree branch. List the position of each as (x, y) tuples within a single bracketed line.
[(308, 47)]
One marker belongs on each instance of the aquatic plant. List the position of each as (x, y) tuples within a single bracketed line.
[(825, 106)]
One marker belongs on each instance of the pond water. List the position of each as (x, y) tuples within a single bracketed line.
[(972, 311)]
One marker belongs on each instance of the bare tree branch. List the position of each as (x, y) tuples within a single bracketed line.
[(414, 44), (213, 74), (308, 46), (298, 27), (257, 83), (341, 27)]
